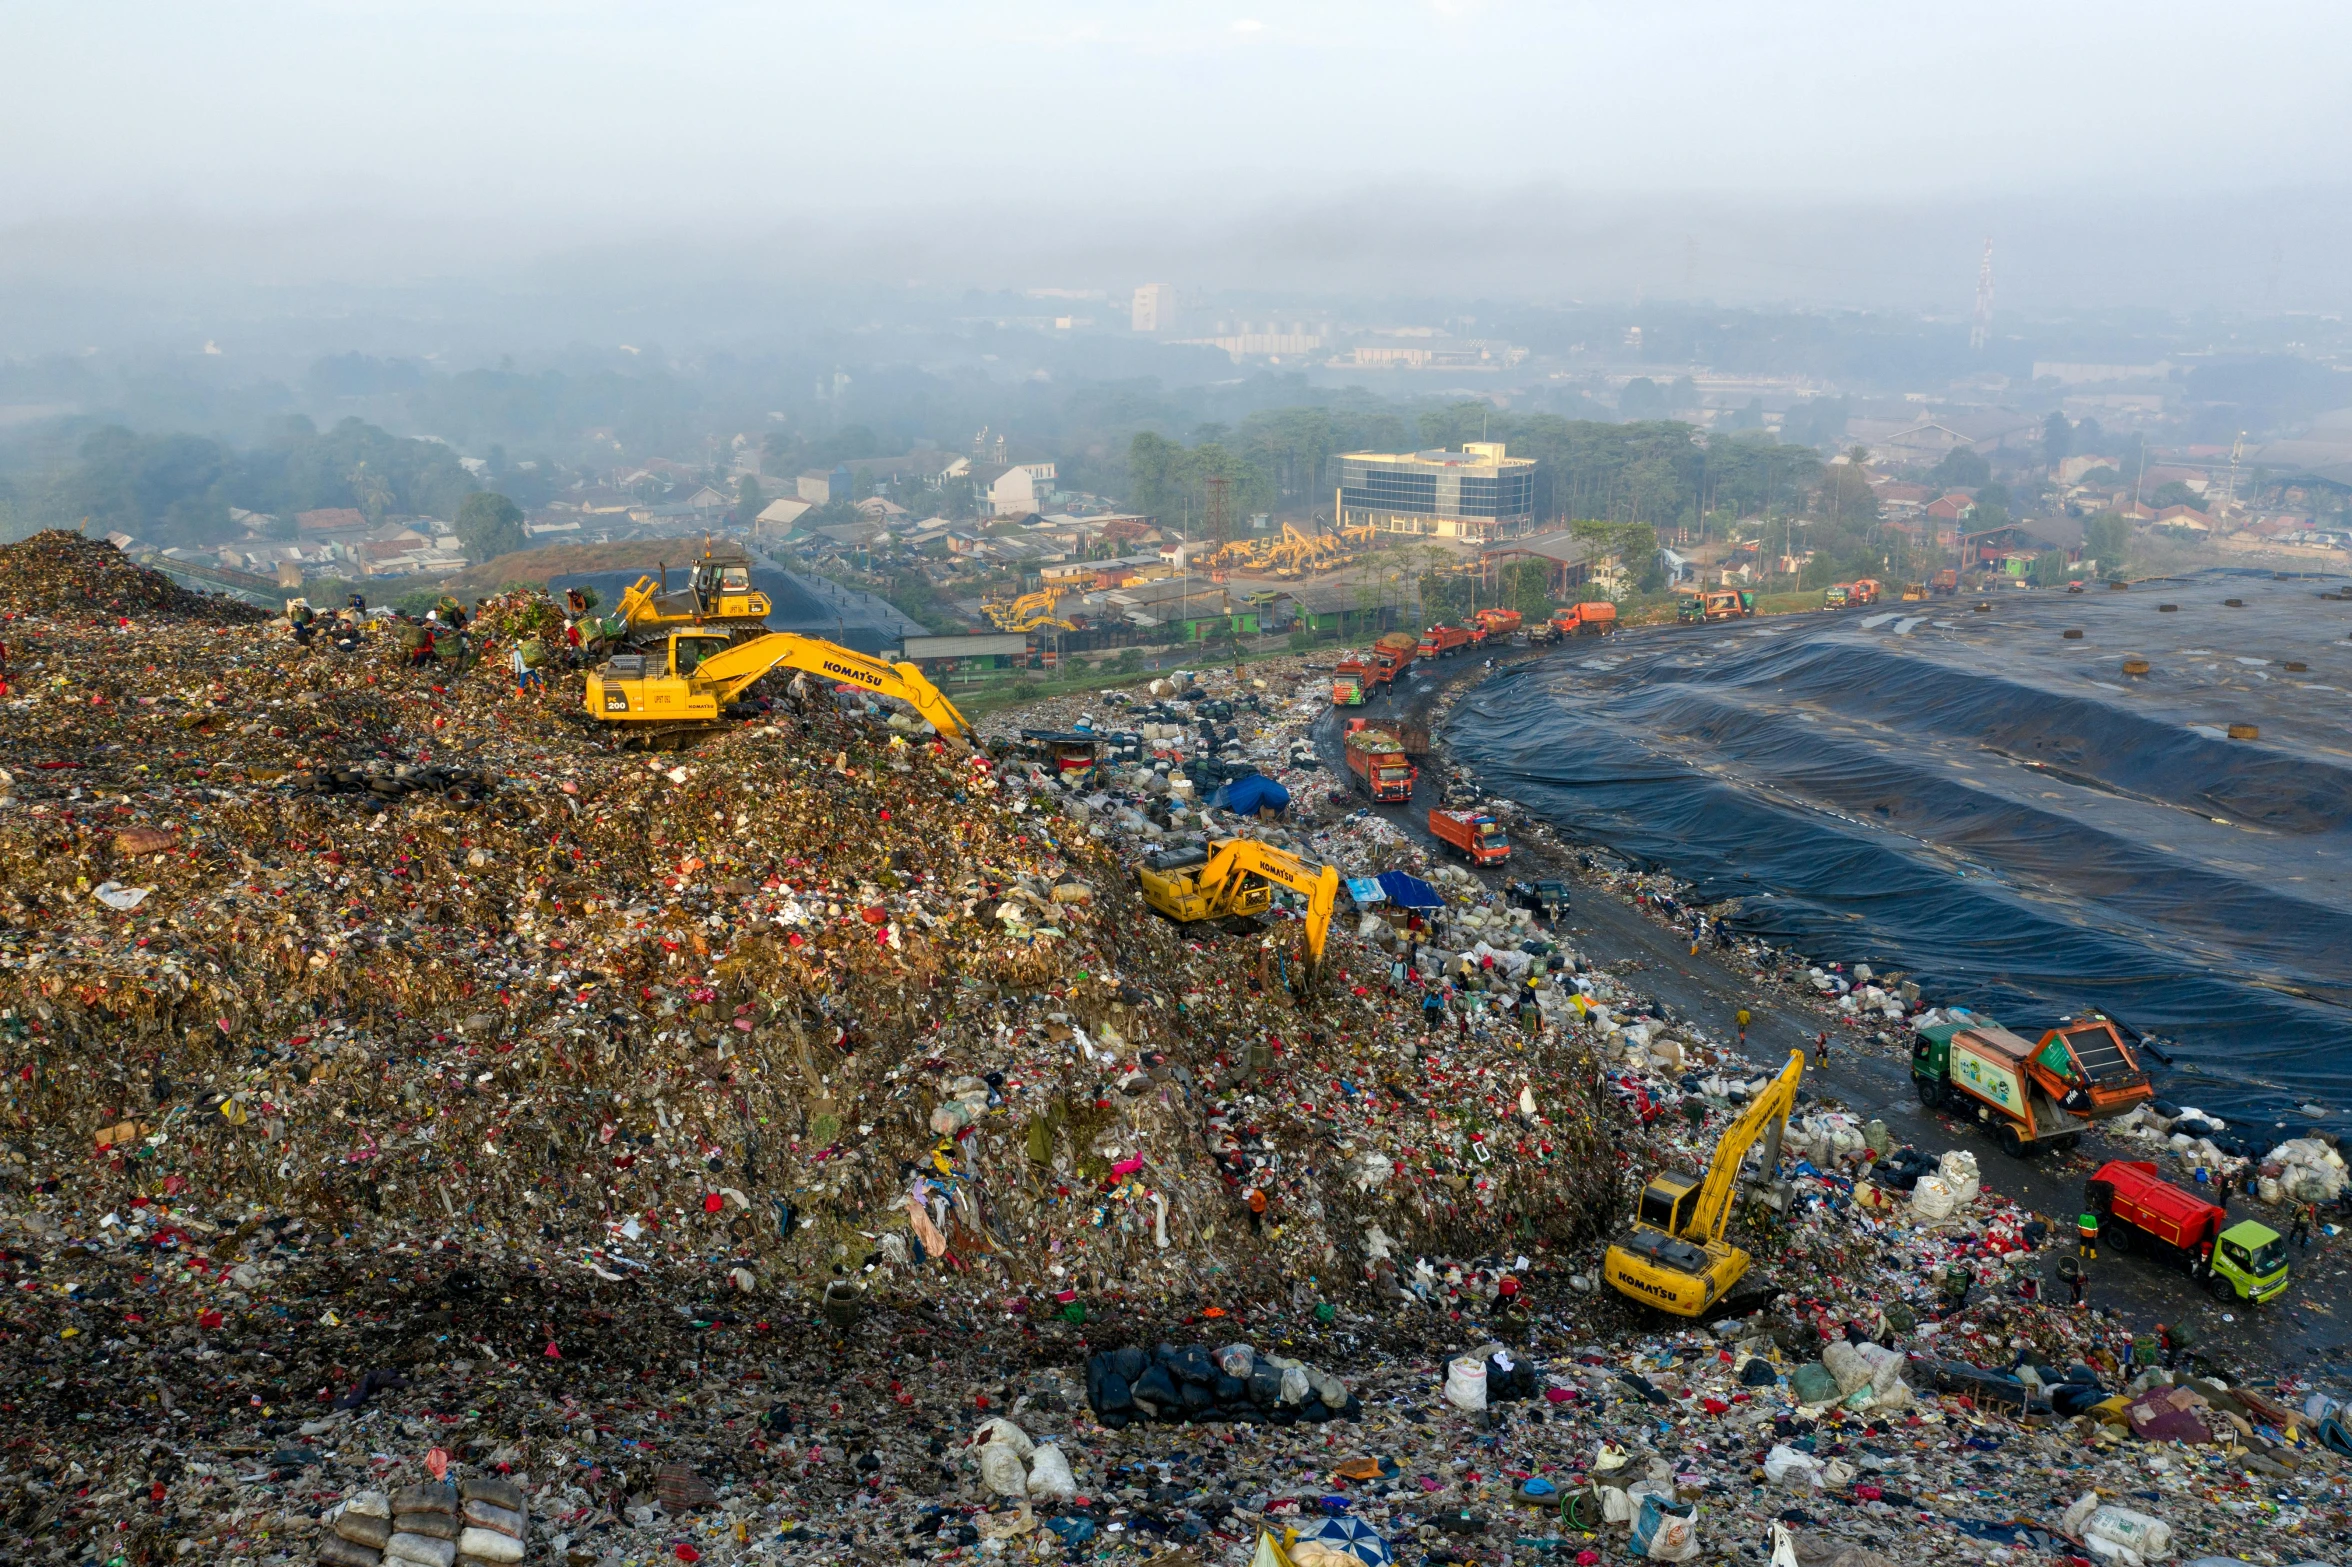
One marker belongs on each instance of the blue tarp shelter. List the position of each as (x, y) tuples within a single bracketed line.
[(1409, 892)]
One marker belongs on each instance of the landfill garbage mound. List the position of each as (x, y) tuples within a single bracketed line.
[(59, 572), (434, 1135)]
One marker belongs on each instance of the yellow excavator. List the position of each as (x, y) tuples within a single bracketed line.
[(1236, 876), (1675, 1258), (690, 680), (717, 595), (1027, 612)]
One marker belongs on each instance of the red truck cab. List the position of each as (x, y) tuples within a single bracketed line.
[(1478, 836)]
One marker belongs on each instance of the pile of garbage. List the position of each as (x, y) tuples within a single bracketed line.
[(1233, 1384), (63, 574), (738, 1152)]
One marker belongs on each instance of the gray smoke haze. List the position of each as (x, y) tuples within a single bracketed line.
[(632, 156)]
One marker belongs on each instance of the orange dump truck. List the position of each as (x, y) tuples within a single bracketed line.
[(1499, 624), (1445, 641), (1582, 619), (1478, 836), (1392, 655), (1377, 758), (1348, 679)]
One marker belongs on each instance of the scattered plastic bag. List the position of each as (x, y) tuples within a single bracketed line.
[(1465, 1386)]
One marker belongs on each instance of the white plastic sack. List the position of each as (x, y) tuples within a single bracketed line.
[(1002, 1432), (489, 1545), (1001, 1471), (1959, 1172), (1786, 1466), (1616, 1506), (1666, 1532), (1850, 1369), (1886, 1367), (1330, 1389), (2148, 1538), (1295, 1386), (1239, 1360), (1931, 1198), (1049, 1475), (1465, 1386)]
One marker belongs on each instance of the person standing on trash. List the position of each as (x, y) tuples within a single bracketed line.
[(2300, 1231), (2086, 1235), (1821, 1049), (1432, 1010), (2178, 1339), (2072, 1272), (1743, 1019), (1256, 1201)]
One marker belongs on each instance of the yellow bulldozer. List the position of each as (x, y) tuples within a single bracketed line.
[(686, 684), (1675, 1257), (1235, 877), (716, 595)]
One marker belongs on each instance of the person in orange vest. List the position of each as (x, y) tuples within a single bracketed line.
[(2086, 1234)]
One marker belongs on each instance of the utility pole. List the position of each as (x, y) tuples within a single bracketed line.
[(1980, 330)]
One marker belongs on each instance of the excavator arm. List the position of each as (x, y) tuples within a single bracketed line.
[(1765, 1118), (733, 672), (1318, 884)]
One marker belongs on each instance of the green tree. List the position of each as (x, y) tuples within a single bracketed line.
[(1527, 587), (749, 502), (1445, 596), (1961, 469), (2172, 492), (2107, 540), (2048, 569), (489, 525), (2057, 439)]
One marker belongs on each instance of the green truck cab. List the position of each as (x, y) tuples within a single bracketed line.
[(2249, 1263)]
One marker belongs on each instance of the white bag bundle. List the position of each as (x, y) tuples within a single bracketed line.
[(1959, 1172), (1049, 1474), (1787, 1466), (1001, 1471), (1844, 1363), (1931, 1198), (1465, 1386)]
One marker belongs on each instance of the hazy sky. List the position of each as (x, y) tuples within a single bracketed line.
[(419, 131)]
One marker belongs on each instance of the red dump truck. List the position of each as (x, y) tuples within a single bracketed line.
[(2140, 1212), (1476, 835), (1377, 758), (1445, 641)]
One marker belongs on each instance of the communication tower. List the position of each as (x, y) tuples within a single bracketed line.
[(1981, 329)]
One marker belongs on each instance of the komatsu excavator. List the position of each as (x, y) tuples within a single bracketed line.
[(1675, 1258), (691, 678), (1236, 876)]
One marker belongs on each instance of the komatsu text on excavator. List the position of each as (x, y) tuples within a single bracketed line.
[(1235, 876), (692, 677), (1675, 1258)]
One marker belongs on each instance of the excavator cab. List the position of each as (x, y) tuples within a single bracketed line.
[(1668, 1201)]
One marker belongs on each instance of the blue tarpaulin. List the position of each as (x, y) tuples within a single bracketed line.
[(1365, 890), (1409, 892), (1250, 795)]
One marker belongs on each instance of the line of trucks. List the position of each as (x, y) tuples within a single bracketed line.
[(1380, 760), (1357, 677), (2045, 1093)]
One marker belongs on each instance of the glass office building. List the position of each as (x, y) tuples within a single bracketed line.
[(1478, 494)]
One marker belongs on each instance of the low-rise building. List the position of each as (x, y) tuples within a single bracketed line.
[(1480, 494)]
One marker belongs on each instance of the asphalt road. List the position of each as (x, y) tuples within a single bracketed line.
[(2311, 1323)]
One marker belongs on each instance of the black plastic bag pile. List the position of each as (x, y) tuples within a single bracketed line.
[(1234, 1384)]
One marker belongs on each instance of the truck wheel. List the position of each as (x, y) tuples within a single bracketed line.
[(2222, 1289), (2120, 1236), (2011, 1144), (1931, 1092)]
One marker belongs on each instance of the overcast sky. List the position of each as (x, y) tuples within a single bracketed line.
[(394, 128)]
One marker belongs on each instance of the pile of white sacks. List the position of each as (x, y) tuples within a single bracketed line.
[(1859, 996), (2299, 1170), (1013, 1465)]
